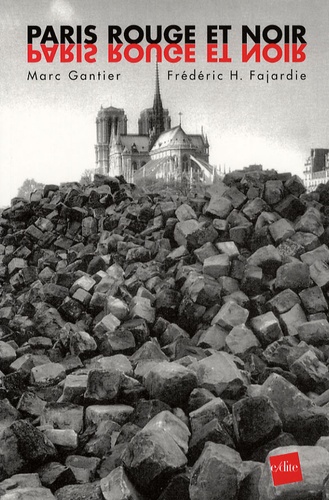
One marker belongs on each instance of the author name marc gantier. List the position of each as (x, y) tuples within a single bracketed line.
[(233, 75)]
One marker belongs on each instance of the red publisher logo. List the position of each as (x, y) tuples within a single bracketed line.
[(286, 469)]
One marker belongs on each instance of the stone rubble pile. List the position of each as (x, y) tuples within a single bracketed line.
[(164, 346)]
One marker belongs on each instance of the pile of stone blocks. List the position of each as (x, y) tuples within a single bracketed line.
[(156, 346)]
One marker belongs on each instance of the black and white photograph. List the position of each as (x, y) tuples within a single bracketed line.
[(164, 250)]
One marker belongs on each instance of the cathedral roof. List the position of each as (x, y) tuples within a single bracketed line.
[(173, 137), (141, 142), (197, 140)]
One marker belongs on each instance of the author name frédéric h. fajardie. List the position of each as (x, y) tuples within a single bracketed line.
[(235, 75)]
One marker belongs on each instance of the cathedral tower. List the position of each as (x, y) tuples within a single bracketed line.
[(109, 122)]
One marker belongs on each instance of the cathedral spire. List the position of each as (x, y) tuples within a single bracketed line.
[(158, 125), (157, 102)]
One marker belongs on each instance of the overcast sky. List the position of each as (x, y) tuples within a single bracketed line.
[(48, 128)]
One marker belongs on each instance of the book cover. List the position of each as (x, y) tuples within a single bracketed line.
[(180, 91)]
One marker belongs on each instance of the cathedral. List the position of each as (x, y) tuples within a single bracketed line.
[(156, 152)]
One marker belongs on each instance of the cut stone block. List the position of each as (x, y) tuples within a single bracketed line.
[(295, 276), (217, 265), (117, 307), (206, 250), (140, 307), (292, 319), (81, 343), (253, 280), (83, 468), (254, 208), (32, 443), (205, 291), (281, 230), (230, 315), (74, 387), (216, 474), (198, 398), (273, 192), (205, 234), (185, 212), (212, 431), (184, 229), (109, 323), (313, 300), (8, 414), (17, 481), (267, 258), (320, 253), (219, 207), (171, 425), (117, 486), (150, 457), (64, 438), (87, 283), (63, 416), (53, 475), (229, 248), (30, 404), (236, 197), (285, 397), (214, 337), (255, 421), (219, 374), (7, 355), (16, 264), (290, 207), (103, 385), (319, 272), (241, 234), (95, 414), (55, 294), (295, 185), (47, 374), (312, 374), (240, 339), (213, 409), (283, 301), (310, 222), (171, 383), (314, 332), (266, 327), (289, 249)]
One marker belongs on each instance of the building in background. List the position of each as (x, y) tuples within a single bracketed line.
[(316, 169), (156, 151), (176, 156)]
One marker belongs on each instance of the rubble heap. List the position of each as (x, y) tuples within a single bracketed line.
[(162, 346)]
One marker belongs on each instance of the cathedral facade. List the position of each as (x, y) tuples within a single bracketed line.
[(157, 151)]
